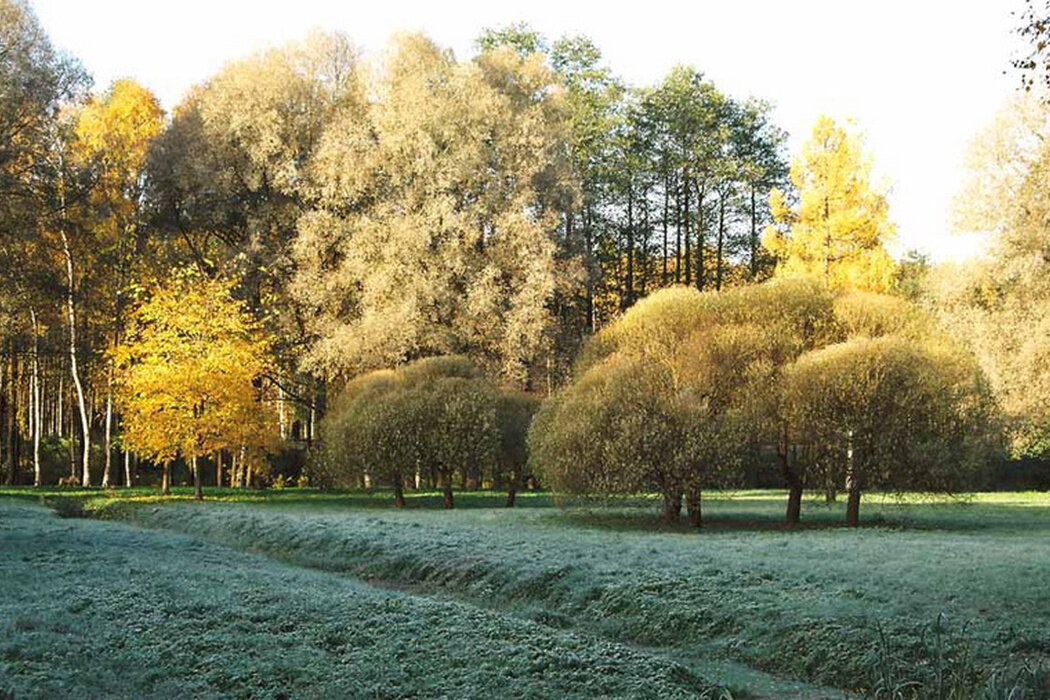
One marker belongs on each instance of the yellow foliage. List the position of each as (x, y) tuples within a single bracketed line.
[(188, 373), (838, 228)]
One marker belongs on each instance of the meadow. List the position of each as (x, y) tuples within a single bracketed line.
[(933, 598)]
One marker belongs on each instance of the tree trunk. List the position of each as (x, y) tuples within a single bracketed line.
[(71, 318), (667, 196), (109, 432), (165, 479), (399, 492), (12, 414), (853, 505), (754, 236), (692, 504), (449, 500), (127, 468), (628, 297), (673, 505), (588, 261), (701, 234), (512, 488), (688, 257), (218, 469), (677, 234), (721, 241), (38, 420), (852, 484), (794, 484), (198, 491)]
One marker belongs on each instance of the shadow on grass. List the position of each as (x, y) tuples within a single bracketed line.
[(729, 511)]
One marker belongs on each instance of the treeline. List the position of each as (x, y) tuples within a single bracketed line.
[(343, 217), (366, 213)]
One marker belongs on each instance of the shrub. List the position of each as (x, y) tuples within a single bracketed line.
[(434, 418), (892, 413)]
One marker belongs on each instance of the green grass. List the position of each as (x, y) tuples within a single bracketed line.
[(101, 609), (934, 597)]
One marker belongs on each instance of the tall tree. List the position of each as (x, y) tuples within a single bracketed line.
[(443, 239), (113, 133), (839, 227)]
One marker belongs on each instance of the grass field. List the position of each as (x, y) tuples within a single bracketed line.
[(935, 598)]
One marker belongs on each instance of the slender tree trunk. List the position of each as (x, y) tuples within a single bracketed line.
[(647, 237), (72, 320), (512, 491), (588, 258), (673, 505), (12, 414), (754, 236), (218, 469), (165, 478), (721, 241), (663, 270), (282, 419), (399, 492), (692, 504), (198, 490), (677, 234), (628, 297), (127, 468), (701, 234), (852, 484), (449, 499), (37, 420), (853, 505), (60, 401), (72, 445), (793, 481), (688, 238), (109, 432)]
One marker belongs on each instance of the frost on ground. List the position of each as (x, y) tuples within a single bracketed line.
[(958, 594), (105, 609)]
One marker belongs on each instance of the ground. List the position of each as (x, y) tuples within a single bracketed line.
[(339, 594)]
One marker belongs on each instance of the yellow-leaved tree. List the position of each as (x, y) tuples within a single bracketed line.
[(114, 131), (838, 228), (191, 376)]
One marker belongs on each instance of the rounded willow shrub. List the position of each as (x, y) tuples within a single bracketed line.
[(435, 418), (894, 413)]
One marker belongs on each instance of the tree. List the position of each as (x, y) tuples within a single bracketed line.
[(1000, 306), (891, 413), (514, 414), (232, 174), (652, 407), (436, 415), (113, 134), (839, 227), (39, 83), (442, 242), (190, 375)]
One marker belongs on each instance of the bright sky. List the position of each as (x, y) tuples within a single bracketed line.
[(920, 77)]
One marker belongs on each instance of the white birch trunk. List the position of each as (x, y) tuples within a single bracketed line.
[(72, 320)]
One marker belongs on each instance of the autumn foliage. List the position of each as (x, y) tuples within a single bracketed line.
[(191, 373)]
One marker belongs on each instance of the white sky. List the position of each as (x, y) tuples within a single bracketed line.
[(920, 77)]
